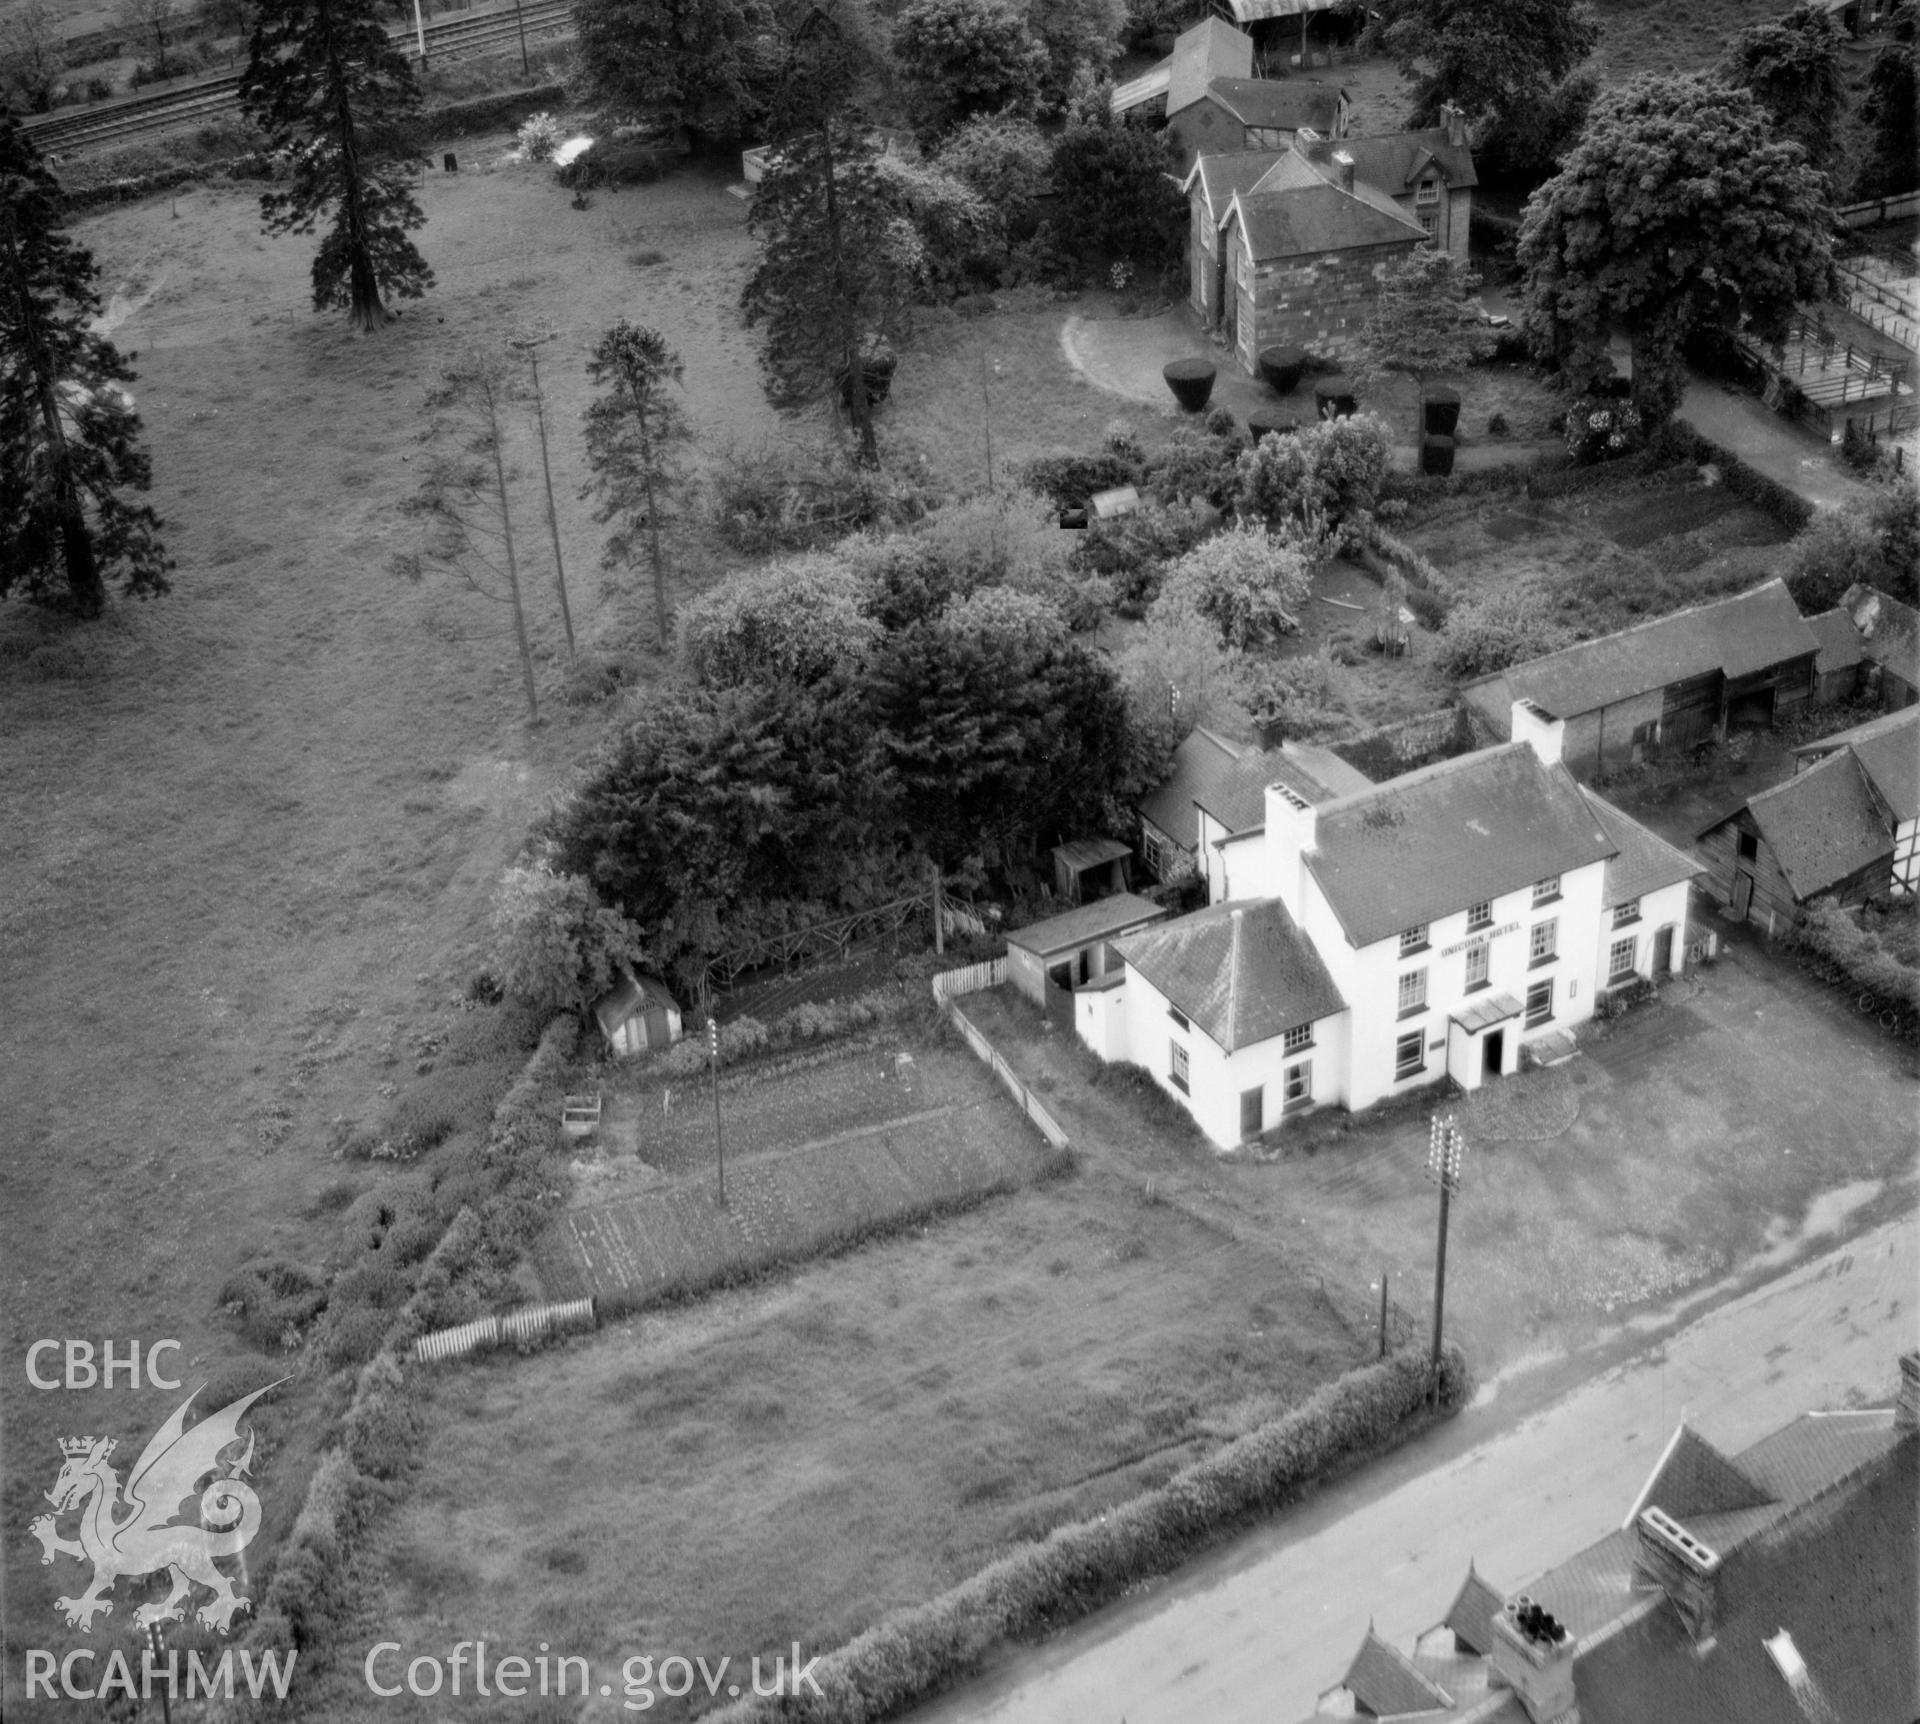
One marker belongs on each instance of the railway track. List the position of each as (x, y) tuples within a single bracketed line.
[(69, 130)]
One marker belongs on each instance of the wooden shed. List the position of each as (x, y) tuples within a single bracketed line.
[(638, 1014), (1090, 868)]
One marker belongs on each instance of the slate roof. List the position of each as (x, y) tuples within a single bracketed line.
[(1471, 1614), (1322, 763), (1085, 923), (1385, 1681), (1309, 220), (1283, 104), (628, 998), (1080, 853), (1693, 1478), (1229, 171), (1430, 843), (1240, 971), (1822, 824), (1839, 641), (1199, 763), (1237, 798), (1395, 161), (1211, 49), (1889, 630), (1738, 636), (1645, 862), (1891, 761)]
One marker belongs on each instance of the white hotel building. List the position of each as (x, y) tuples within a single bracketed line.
[(1433, 926)]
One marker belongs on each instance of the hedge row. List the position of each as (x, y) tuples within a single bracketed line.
[(1830, 932), (1749, 484), (455, 120), (1076, 1568)]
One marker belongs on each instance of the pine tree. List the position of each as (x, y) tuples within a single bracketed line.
[(69, 437), (324, 81)]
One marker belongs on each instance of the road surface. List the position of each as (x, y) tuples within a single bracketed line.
[(1257, 1631)]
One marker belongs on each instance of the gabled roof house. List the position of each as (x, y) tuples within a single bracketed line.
[(1773, 1586), (1361, 941)]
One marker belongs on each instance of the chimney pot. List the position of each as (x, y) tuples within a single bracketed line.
[(1343, 170)]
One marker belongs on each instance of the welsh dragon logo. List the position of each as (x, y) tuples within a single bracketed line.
[(148, 1536)]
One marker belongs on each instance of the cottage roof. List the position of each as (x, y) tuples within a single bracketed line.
[(1285, 220), (1433, 842), (1211, 49), (1395, 161), (1281, 104), (1839, 641), (1737, 636), (1103, 919), (1079, 854), (1891, 761), (1386, 1682), (628, 998), (1693, 1478), (1322, 763), (1645, 862), (1889, 630), (1229, 171), (1240, 971), (1822, 824), (1877, 726), (1471, 1614), (1199, 763), (1237, 797)]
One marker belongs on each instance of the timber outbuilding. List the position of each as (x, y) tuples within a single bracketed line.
[(1668, 684)]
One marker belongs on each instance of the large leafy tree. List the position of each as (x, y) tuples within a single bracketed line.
[(1681, 208), (1119, 193), (702, 64), (1889, 108), (1792, 66), (1425, 320), (1491, 57), (324, 81), (32, 59), (70, 446), (966, 57)]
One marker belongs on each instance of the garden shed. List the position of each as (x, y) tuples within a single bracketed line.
[(638, 1014), (1670, 683), (1069, 950), (1090, 868)]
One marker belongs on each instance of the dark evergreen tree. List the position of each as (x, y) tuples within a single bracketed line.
[(1792, 66), (324, 81), (1491, 57), (1889, 109), (69, 438), (702, 64)]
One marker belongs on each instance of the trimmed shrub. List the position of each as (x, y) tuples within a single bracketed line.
[(1191, 381), (1436, 455), (1442, 409), (1270, 422), (1282, 368), (1220, 422), (382, 1427), (1334, 397), (1080, 1566)]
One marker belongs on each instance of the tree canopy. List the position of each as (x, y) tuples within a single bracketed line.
[(1119, 193), (1792, 66), (1681, 208), (1890, 107), (70, 447), (327, 85), (1425, 320), (964, 57), (1490, 57), (702, 64)]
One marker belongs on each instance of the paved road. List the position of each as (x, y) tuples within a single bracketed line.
[(1257, 1631)]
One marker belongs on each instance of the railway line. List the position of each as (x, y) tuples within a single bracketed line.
[(68, 131)]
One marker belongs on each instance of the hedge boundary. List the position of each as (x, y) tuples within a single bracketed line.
[(916, 1651), (454, 120)]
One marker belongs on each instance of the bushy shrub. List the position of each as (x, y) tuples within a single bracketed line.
[(964, 57), (1119, 195), (769, 499), (962, 235), (1490, 631), (1833, 933), (1248, 583), (275, 1301), (1069, 481), (1841, 547), (794, 621), (1295, 697), (555, 945), (540, 136), (1005, 159), (382, 1427), (1131, 551), (1198, 464), (1330, 472), (1603, 429)]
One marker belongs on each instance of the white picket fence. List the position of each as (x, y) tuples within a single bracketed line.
[(969, 979), (532, 1323)]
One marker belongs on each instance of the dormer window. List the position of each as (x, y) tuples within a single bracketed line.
[(1428, 191)]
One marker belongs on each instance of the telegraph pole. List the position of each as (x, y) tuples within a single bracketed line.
[(719, 1149), (1446, 1149)]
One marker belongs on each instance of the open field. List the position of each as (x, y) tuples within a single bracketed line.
[(815, 1158), (793, 1460)]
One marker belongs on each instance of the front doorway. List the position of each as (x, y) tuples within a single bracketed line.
[(1494, 1058), (1663, 953), (1252, 1112), (1742, 894)]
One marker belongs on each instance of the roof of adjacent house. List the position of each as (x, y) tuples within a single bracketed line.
[(1103, 919), (1889, 630), (1888, 749), (1386, 1682), (1240, 971), (1645, 862), (1229, 171), (1282, 104), (1839, 641), (1737, 636), (1237, 797), (1395, 161), (1814, 1529), (1453, 834), (628, 998), (1470, 1616), (1211, 49), (1822, 825), (1288, 220), (1199, 764)]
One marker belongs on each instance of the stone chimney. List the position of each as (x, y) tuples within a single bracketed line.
[(1291, 829), (1686, 1570), (1309, 143), (1906, 1410), (1533, 1655), (1533, 724), (1454, 119), (1343, 170)]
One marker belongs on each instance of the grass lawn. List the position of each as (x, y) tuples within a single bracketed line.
[(790, 1461)]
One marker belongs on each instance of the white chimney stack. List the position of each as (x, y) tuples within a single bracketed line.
[(1535, 725), (1291, 832), (1343, 170), (1533, 1655)]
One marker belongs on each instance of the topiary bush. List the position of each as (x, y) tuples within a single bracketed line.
[(1191, 381), (1282, 368)]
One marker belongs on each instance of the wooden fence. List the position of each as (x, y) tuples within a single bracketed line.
[(969, 979), (1877, 210), (1024, 1098), (533, 1323)]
